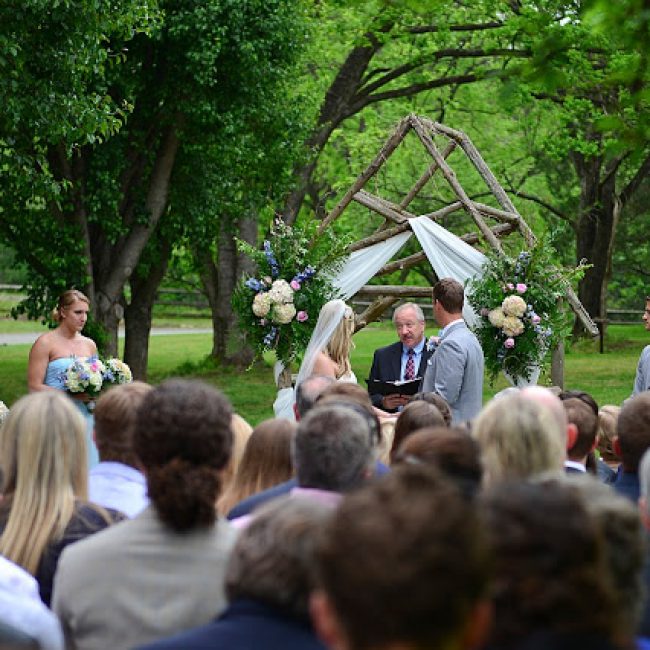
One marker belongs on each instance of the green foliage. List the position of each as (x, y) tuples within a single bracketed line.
[(278, 309), (518, 302)]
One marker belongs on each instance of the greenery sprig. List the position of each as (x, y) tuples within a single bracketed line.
[(520, 315), (278, 308)]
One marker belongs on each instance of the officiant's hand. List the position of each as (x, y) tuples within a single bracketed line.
[(394, 401)]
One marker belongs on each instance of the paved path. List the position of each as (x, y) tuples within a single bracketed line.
[(29, 337)]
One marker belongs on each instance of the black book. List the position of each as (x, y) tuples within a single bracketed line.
[(379, 387)]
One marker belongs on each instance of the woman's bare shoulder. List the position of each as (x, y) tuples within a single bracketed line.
[(323, 365)]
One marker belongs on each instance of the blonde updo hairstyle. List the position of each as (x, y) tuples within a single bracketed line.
[(340, 345), (66, 299)]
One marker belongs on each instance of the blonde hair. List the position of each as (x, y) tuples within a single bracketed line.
[(43, 460), (607, 419), (266, 462), (340, 344), (241, 432), (519, 438), (65, 300)]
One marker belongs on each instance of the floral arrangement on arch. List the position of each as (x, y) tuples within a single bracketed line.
[(518, 303), (279, 306)]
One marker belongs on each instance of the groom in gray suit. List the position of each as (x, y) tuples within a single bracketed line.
[(455, 368)]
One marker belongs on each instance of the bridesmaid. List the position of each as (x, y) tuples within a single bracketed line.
[(55, 350)]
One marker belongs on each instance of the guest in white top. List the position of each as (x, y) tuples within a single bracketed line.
[(117, 482), (22, 609)]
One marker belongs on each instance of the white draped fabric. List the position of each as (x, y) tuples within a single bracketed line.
[(449, 256)]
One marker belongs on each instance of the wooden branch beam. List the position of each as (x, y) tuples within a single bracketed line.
[(377, 237), (373, 311), (501, 215), (394, 290), (421, 182), (392, 143), (386, 209), (450, 175)]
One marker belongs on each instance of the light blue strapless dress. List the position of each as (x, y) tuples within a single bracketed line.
[(53, 378)]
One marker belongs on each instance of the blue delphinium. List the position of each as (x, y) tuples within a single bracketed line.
[(273, 263)]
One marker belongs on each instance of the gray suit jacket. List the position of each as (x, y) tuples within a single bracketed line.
[(140, 582), (455, 371)]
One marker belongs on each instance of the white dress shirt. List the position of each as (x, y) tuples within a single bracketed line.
[(118, 486)]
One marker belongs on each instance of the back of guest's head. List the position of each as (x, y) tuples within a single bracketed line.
[(43, 460), (438, 401), (582, 411), (273, 558), (183, 438), (607, 419), (266, 462), (549, 398), (518, 438), (414, 416), (66, 299), (452, 450), (115, 416), (550, 564), (619, 523), (332, 448), (403, 561), (308, 391), (450, 294), (633, 429), (241, 432)]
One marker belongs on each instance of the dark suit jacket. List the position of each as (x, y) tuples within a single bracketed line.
[(387, 365), (246, 625)]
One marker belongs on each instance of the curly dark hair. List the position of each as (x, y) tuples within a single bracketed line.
[(183, 439)]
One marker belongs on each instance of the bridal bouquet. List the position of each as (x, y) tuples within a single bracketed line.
[(84, 376), (517, 301), (278, 307), (116, 372)]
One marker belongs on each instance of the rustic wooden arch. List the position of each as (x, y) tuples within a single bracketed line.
[(395, 216)]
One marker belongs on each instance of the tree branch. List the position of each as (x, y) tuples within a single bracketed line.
[(470, 27), (545, 205), (635, 182)]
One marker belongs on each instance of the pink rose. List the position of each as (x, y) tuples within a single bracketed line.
[(510, 286), (521, 287), (509, 343), (536, 320), (295, 285), (301, 316)]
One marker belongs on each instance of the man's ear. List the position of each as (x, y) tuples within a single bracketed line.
[(643, 512), (571, 436), (326, 622), (295, 412), (616, 444), (478, 626)]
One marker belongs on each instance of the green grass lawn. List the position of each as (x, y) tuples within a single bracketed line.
[(608, 377)]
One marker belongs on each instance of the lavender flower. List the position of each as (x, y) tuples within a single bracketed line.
[(254, 284)]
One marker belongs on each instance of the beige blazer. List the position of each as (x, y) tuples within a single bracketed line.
[(138, 581)]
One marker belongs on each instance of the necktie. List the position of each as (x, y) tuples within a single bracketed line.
[(409, 371)]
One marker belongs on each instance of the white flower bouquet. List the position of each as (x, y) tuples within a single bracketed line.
[(84, 376), (116, 372)]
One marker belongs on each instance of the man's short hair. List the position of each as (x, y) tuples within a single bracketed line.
[(115, 417), (403, 560), (332, 448), (581, 410), (273, 558), (450, 294), (633, 428), (308, 392), (419, 314)]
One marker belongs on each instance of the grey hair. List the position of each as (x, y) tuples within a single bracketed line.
[(310, 390), (409, 305), (332, 449), (273, 558)]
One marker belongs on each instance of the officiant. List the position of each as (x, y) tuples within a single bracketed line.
[(401, 361)]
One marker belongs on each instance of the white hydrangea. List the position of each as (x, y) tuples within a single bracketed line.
[(514, 306), (283, 313), (512, 326), (496, 317), (261, 304), (280, 291)]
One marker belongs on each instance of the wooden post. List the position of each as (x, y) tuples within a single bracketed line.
[(557, 365)]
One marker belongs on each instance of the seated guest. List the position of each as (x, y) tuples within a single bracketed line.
[(268, 582), (438, 401), (402, 564), (607, 419), (414, 416), (44, 503), (553, 586), (241, 432), (24, 620), (582, 413), (117, 482), (633, 439), (266, 462), (519, 437), (450, 449), (644, 510), (163, 571)]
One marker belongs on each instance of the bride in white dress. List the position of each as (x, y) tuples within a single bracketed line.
[(328, 352)]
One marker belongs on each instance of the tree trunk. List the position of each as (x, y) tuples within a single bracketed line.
[(138, 313)]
